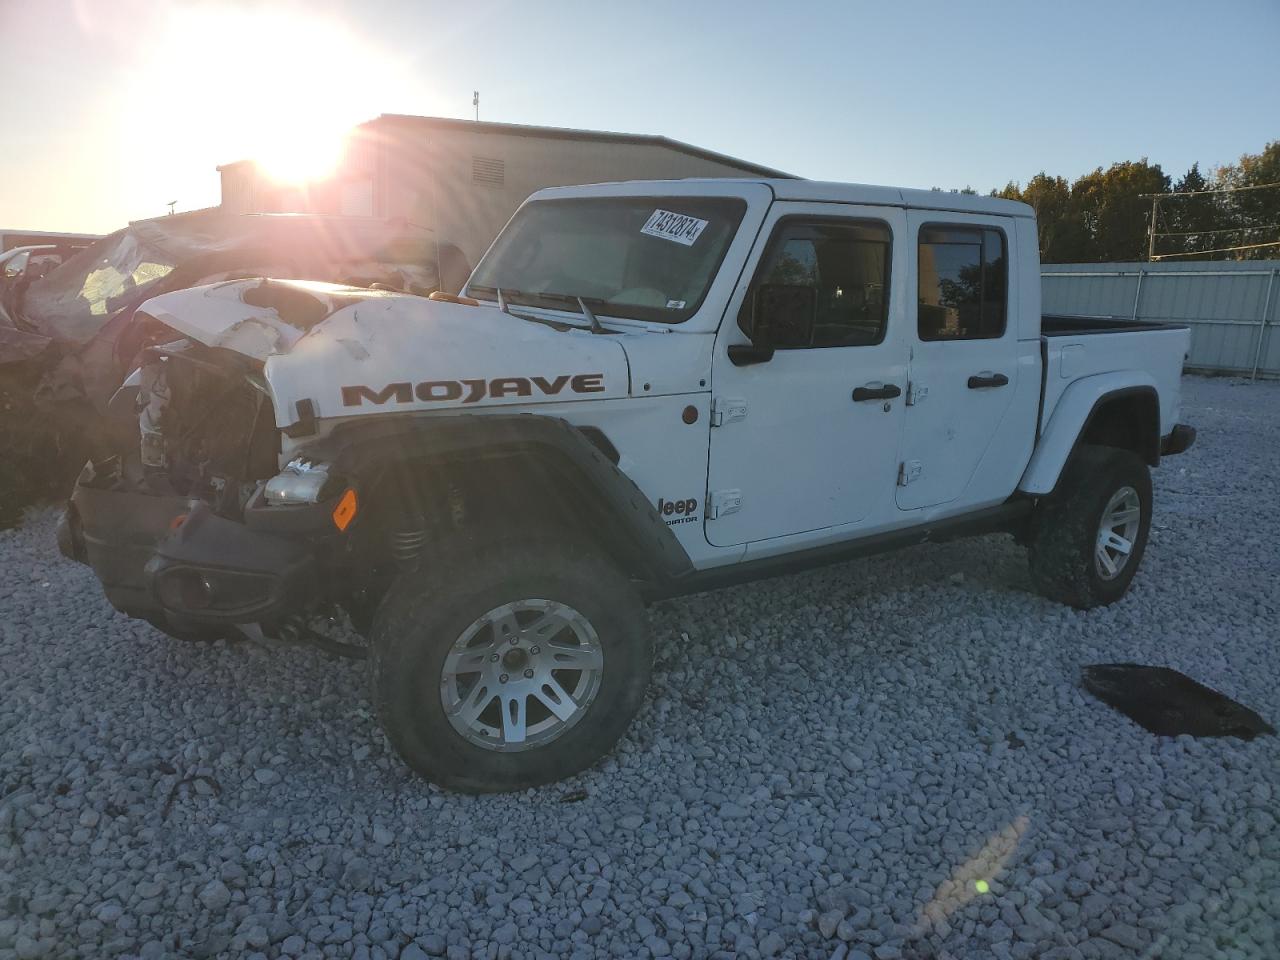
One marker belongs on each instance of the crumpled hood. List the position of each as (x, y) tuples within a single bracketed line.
[(351, 351)]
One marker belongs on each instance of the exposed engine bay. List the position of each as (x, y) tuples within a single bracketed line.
[(206, 427)]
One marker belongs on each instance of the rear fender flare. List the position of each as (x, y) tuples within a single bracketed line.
[(1075, 410)]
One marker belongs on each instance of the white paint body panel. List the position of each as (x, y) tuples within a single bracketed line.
[(806, 457), (1154, 354), (971, 444), (812, 466), (1100, 364), (392, 338)]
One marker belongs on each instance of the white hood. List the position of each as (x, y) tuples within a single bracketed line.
[(351, 351)]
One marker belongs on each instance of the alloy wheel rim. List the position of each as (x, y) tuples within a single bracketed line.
[(522, 675), (1117, 533)]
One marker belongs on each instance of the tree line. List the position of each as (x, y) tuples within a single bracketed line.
[(1104, 215)]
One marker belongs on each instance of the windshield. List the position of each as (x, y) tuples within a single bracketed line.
[(644, 258)]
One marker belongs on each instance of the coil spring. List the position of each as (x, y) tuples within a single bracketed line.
[(406, 544)]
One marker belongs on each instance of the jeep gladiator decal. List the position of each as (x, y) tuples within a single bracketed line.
[(684, 510), (469, 391)]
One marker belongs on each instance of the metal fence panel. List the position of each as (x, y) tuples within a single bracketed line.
[(1232, 307)]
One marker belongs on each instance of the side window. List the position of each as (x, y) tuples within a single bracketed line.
[(847, 265), (961, 286)]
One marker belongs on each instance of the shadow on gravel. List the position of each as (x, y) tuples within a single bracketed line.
[(1169, 703)]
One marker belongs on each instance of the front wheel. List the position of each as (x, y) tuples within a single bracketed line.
[(509, 665), (1087, 539)]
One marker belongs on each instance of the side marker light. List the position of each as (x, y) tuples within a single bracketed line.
[(345, 511)]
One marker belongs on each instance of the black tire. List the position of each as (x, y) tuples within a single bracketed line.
[(428, 609), (1065, 528)]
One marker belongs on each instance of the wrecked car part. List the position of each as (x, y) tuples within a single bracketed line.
[(195, 403), (1168, 703), (200, 569)]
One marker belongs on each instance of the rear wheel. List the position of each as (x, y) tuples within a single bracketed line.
[(1088, 538), (509, 665)]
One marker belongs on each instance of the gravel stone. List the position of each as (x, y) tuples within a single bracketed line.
[(215, 896), (1125, 935), (828, 921), (827, 765)]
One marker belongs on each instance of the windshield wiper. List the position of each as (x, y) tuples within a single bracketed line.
[(505, 301), (588, 314), (505, 307), (591, 317)]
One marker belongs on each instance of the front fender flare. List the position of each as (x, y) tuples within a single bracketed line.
[(1069, 421), (549, 444)]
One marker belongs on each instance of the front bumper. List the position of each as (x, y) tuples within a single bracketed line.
[(1180, 438), (172, 559)]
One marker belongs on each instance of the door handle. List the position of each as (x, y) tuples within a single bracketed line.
[(984, 380), (887, 392)]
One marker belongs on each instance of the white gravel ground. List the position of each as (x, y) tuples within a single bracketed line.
[(887, 758)]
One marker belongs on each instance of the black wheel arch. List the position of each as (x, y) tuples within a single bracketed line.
[(1126, 419), (535, 468), (1129, 419)]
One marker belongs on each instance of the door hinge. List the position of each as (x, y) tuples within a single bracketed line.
[(727, 409), (916, 393), (720, 503), (909, 471)]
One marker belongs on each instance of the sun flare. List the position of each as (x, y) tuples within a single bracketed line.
[(282, 86), (310, 153)]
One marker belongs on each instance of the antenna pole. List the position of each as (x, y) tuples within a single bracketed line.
[(1151, 232), (475, 102)]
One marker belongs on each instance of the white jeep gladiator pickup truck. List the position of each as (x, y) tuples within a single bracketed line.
[(645, 389)]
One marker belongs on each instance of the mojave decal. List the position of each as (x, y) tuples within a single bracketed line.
[(471, 391)]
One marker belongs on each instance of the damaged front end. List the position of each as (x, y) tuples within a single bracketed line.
[(184, 526)]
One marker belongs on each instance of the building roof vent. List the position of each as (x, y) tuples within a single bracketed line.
[(489, 171)]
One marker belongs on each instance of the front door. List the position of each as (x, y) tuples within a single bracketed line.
[(808, 440), (964, 358)]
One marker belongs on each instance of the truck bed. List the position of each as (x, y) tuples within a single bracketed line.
[(1074, 352), (1060, 325)]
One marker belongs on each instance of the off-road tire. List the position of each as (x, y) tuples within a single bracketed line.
[(428, 608), (1065, 525)]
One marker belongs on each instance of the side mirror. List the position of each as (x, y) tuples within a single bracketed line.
[(784, 315)]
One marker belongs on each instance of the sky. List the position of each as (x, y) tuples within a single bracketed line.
[(114, 108)]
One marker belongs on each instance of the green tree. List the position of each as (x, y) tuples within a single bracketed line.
[(1062, 237), (1112, 210), (1255, 211), (1193, 222)]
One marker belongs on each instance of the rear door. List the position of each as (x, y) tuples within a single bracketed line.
[(807, 441), (964, 357)]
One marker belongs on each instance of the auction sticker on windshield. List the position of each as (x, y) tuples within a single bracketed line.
[(674, 226)]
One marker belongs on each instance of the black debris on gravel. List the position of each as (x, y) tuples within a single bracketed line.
[(1169, 703)]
